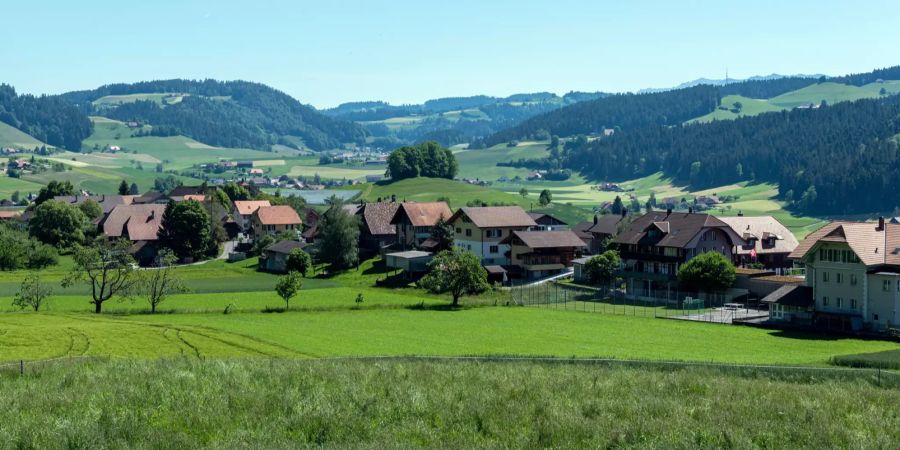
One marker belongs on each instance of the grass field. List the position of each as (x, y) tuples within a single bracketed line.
[(459, 194), (392, 404), (750, 107), (832, 93), (13, 137), (9, 185), (482, 163)]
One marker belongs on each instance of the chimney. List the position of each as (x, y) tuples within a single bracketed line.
[(152, 215), (880, 223), (690, 210), (595, 219), (668, 211), (624, 212)]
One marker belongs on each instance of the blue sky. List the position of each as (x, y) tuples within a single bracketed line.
[(328, 52)]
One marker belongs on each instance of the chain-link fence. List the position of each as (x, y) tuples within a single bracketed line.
[(719, 307)]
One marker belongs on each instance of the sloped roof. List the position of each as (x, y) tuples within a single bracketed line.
[(544, 217), (377, 217), (873, 246), (607, 224), (285, 246), (422, 214), (682, 228), (181, 191), (496, 216), (549, 239), (149, 197), (762, 227), (107, 202), (117, 221), (791, 295), (581, 229), (248, 207), (143, 227), (278, 215)]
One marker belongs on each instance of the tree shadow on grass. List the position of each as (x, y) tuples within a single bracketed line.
[(813, 335), (436, 307)]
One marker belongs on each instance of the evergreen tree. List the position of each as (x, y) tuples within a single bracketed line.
[(123, 188)]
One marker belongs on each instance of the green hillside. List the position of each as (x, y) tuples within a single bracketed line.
[(459, 194), (728, 111), (13, 137), (833, 93)]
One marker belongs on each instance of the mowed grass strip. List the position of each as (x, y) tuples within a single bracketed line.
[(185, 403), (523, 331)]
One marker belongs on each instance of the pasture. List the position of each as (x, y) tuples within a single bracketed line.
[(13, 137), (404, 404)]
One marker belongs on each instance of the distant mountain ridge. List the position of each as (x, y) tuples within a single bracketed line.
[(223, 113)]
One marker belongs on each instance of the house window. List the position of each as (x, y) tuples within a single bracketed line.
[(840, 302), (838, 277), (875, 317), (469, 232), (824, 277), (458, 230), (852, 279), (494, 249), (824, 301), (852, 303)]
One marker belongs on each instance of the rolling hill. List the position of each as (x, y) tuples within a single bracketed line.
[(236, 114), (48, 119), (672, 107), (452, 120)]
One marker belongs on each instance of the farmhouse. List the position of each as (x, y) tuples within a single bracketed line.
[(139, 224), (767, 241), (272, 220), (376, 233), (538, 254), (595, 233), (655, 245), (853, 272), (415, 222), (481, 230), (243, 211)]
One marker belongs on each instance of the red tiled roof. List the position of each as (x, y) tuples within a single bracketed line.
[(278, 215), (422, 214), (872, 245), (679, 228), (248, 207)]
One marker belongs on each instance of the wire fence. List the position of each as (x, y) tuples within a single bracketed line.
[(718, 307)]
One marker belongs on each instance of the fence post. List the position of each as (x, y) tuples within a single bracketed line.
[(22, 368)]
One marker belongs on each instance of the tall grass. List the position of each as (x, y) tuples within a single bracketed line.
[(184, 403)]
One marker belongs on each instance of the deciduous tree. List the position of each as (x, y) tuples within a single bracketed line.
[(457, 272), (709, 271), (106, 267), (32, 293), (288, 286)]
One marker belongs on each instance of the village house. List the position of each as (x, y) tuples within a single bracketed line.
[(243, 211), (852, 279), (151, 197), (274, 257), (595, 234), (415, 222), (376, 233), (767, 241), (107, 202), (139, 224), (481, 230), (271, 220), (538, 254), (546, 222), (656, 244)]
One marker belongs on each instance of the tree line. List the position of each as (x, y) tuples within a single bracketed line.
[(48, 118), (835, 159)]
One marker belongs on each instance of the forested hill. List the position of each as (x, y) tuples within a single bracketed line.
[(621, 110), (222, 113), (836, 159), (49, 119), (660, 108)]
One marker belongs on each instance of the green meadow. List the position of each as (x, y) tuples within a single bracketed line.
[(406, 404)]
